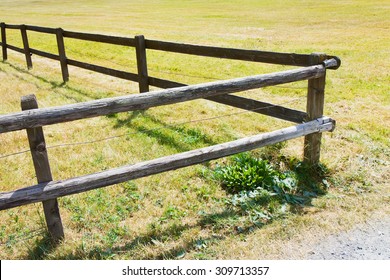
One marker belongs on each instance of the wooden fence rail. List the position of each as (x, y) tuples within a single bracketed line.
[(100, 107), (114, 40), (144, 80), (54, 189), (311, 123), (292, 59)]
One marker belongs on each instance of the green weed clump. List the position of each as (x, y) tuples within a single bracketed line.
[(262, 191)]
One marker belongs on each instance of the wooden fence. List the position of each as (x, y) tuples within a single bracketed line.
[(310, 123)]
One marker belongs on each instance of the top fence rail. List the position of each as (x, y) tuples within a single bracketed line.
[(41, 117)]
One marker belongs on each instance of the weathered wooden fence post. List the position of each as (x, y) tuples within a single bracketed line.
[(62, 54), (4, 41), (141, 63), (40, 158), (314, 109), (26, 46)]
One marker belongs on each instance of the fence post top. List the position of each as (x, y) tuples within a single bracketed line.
[(29, 102), (318, 57)]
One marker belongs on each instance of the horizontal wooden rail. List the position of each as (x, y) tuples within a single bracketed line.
[(71, 112), (45, 54), (41, 29), (32, 28), (33, 51), (263, 108), (260, 107), (243, 103), (14, 48), (115, 40), (162, 83), (54, 189), (84, 65), (13, 26), (104, 70), (292, 59)]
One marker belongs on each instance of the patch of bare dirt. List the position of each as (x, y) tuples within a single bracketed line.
[(370, 241)]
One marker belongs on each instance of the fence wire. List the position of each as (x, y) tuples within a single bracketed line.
[(166, 126), (24, 237), (172, 125)]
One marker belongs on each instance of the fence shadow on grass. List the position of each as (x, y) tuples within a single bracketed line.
[(155, 240), (42, 248), (53, 84), (83, 95), (174, 136)]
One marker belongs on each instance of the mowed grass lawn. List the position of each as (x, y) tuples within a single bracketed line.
[(183, 213)]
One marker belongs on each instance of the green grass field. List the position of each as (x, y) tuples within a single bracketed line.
[(183, 213)]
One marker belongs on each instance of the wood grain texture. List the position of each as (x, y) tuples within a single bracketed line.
[(314, 109), (46, 116), (40, 158), (54, 189)]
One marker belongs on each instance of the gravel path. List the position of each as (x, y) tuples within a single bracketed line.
[(369, 241)]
